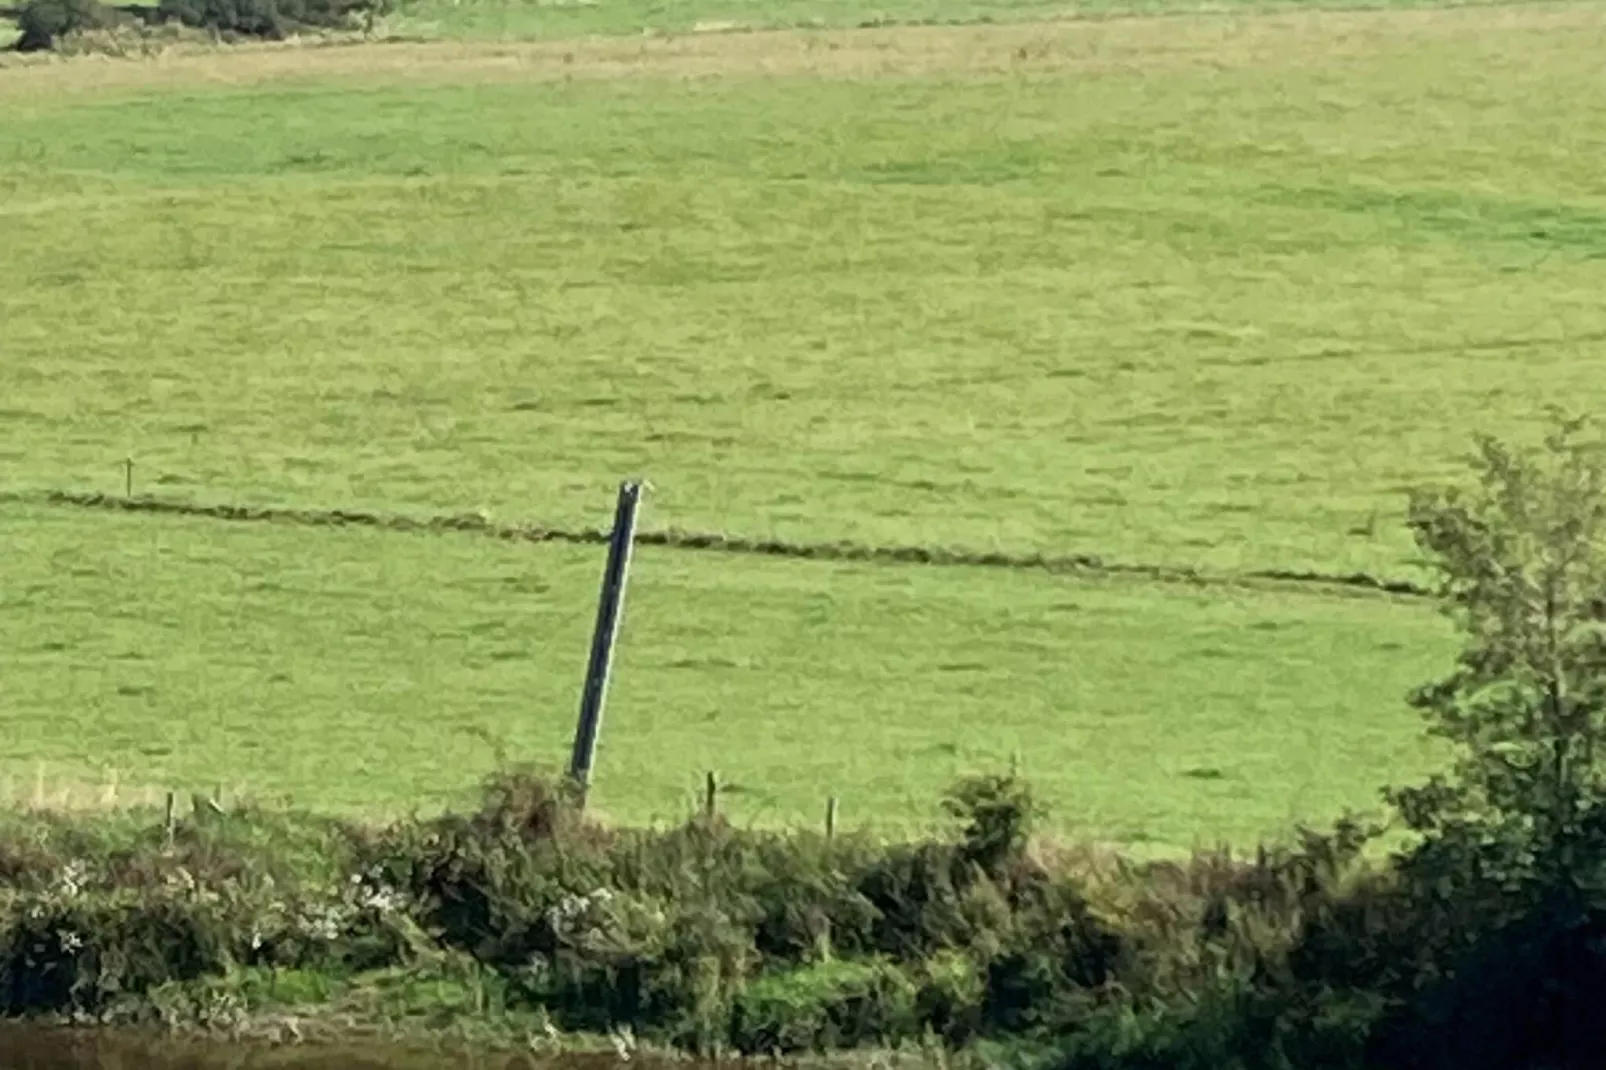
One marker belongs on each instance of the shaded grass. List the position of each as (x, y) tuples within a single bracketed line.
[(366, 672)]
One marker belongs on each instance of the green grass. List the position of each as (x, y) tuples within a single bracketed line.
[(368, 672), (515, 19), (1217, 310), (1199, 292), (524, 19)]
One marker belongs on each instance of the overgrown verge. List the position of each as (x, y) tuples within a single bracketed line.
[(525, 917), (69, 24), (522, 922), (1480, 943)]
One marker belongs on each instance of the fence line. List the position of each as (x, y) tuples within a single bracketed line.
[(1356, 583)]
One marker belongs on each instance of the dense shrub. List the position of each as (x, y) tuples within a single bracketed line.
[(829, 1005), (273, 19), (93, 914), (1054, 961), (702, 936), (1459, 972), (43, 23), (59, 955), (1227, 1024), (670, 931), (951, 997)]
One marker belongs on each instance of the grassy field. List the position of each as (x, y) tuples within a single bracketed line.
[(365, 671), (526, 20), (1195, 291), (1201, 292)]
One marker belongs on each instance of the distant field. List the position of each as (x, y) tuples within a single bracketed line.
[(562, 19), (1207, 292), (534, 19), (1197, 291)]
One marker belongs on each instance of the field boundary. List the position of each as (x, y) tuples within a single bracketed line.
[(1356, 583)]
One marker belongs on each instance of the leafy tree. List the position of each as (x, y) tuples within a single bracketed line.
[(1521, 558), (1485, 946)]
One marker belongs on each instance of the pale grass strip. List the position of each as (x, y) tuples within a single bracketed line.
[(1282, 40)]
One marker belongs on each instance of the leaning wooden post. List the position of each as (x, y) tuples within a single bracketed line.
[(711, 795), (610, 606), (830, 818)]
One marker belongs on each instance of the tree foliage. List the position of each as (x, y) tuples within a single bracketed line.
[(1521, 558), (43, 23), (1483, 945), (270, 19)]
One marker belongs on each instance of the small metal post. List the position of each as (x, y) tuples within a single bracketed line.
[(610, 606), (711, 795), (830, 818), (128, 478)]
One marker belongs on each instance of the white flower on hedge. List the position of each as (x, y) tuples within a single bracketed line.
[(383, 900), (71, 880), (71, 942), (325, 924)]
